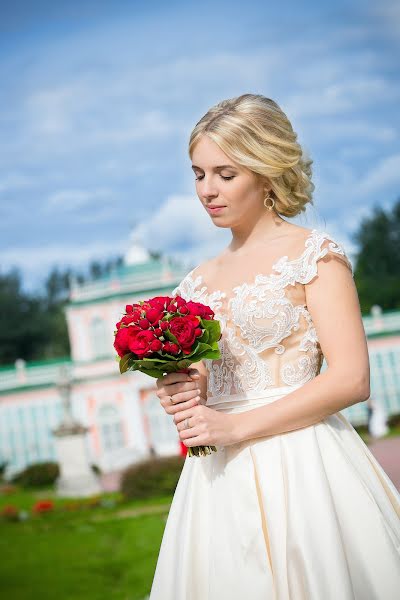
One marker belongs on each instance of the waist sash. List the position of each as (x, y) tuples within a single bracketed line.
[(249, 399)]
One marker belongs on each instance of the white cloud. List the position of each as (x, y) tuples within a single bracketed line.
[(36, 262), (182, 221), (74, 199), (340, 96), (13, 181), (384, 174)]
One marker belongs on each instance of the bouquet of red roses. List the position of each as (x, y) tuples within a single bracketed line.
[(166, 334)]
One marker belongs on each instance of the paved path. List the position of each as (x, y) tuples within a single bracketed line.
[(386, 451)]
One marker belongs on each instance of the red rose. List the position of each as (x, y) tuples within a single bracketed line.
[(144, 323), (201, 310), (123, 337), (179, 301), (156, 345), (153, 315), (141, 343), (171, 348), (127, 319), (159, 301), (183, 328), (172, 308)]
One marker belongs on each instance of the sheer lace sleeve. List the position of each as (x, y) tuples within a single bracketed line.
[(321, 246)]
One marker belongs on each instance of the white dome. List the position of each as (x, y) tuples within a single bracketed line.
[(136, 253)]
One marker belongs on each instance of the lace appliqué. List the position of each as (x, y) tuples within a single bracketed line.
[(258, 318)]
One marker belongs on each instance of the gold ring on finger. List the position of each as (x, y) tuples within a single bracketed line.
[(187, 423)]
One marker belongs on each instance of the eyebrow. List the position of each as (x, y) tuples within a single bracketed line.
[(219, 167)]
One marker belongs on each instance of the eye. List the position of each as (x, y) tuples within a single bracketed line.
[(199, 178)]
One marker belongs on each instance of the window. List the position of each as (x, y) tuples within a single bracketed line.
[(99, 335), (110, 428)]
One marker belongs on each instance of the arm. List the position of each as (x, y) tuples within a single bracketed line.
[(333, 303)]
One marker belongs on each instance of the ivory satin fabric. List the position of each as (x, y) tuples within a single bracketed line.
[(305, 515)]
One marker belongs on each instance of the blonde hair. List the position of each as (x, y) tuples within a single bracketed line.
[(255, 133)]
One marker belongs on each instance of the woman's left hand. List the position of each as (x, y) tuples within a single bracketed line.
[(207, 427)]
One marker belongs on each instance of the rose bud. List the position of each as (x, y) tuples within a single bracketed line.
[(179, 301), (156, 345), (144, 323)]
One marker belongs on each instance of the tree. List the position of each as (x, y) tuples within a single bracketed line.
[(33, 325), (22, 320), (377, 272)]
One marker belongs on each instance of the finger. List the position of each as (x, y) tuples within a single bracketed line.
[(175, 377), (194, 373), (182, 396), (174, 388), (173, 409), (198, 440), (186, 414)]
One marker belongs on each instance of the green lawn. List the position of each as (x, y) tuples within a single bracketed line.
[(92, 553), (103, 552)]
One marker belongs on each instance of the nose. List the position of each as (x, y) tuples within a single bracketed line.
[(208, 188)]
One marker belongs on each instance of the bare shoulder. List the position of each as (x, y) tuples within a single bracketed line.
[(290, 241), (205, 267)]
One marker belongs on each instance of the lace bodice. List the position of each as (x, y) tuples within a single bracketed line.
[(268, 337)]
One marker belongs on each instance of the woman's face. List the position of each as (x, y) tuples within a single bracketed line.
[(220, 181)]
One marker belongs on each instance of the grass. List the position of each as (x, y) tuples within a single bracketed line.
[(86, 554)]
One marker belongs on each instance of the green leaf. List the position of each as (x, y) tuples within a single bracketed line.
[(170, 336), (213, 327), (204, 336), (124, 363)]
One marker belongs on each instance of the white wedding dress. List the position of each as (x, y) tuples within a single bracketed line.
[(305, 515)]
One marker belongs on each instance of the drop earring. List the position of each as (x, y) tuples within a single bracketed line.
[(270, 206)]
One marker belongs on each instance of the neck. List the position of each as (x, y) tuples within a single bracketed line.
[(264, 229)]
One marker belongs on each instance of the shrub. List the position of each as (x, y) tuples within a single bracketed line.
[(3, 466), (10, 512), (38, 475), (151, 477), (6, 489), (96, 469)]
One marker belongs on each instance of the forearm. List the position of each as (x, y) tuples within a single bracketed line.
[(324, 395)]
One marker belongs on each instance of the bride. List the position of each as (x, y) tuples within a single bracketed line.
[(292, 505)]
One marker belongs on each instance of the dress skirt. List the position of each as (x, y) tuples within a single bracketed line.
[(304, 515)]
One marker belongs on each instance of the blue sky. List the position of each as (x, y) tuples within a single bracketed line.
[(98, 100)]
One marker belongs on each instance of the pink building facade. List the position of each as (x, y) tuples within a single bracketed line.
[(122, 412)]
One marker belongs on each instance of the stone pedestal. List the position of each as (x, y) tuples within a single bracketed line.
[(76, 478)]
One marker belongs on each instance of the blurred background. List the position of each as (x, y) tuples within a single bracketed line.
[(98, 208)]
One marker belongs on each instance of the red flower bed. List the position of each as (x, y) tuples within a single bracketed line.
[(9, 512), (43, 506)]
